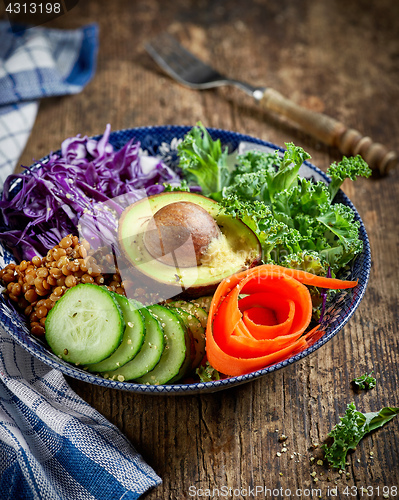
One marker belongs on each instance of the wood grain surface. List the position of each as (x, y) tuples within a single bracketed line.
[(338, 57)]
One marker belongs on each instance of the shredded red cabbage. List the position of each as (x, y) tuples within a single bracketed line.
[(87, 175)]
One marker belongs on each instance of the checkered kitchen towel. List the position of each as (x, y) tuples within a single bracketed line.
[(53, 445), (38, 63)]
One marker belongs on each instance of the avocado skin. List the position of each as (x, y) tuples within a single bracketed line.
[(165, 280)]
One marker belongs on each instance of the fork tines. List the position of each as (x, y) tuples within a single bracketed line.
[(178, 62)]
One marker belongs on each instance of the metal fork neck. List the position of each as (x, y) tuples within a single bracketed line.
[(256, 92)]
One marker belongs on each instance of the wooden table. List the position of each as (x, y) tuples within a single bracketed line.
[(338, 57)]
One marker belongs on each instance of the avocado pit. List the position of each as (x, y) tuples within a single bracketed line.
[(180, 233), (217, 245)]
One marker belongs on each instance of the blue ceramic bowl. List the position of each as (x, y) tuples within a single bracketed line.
[(162, 141)]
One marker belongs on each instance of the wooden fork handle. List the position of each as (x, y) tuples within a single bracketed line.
[(350, 142)]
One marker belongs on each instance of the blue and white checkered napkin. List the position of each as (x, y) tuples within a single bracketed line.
[(38, 63), (53, 445)]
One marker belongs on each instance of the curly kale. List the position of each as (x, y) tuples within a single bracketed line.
[(204, 160), (294, 218), (170, 188), (342, 236), (276, 238), (366, 381), (306, 260)]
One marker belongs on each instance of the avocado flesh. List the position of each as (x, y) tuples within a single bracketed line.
[(195, 280)]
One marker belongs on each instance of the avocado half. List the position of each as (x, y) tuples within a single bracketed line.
[(166, 276)]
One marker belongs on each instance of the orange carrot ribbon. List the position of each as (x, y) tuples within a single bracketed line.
[(258, 317)]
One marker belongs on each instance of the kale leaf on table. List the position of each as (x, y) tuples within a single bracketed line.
[(353, 426), (366, 381)]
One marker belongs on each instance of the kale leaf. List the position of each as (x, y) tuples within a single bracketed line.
[(205, 161), (353, 426), (347, 168), (294, 218), (170, 188), (207, 373), (366, 381)]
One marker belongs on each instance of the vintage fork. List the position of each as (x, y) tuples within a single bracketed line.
[(190, 71)]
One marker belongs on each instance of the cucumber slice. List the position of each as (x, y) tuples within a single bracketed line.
[(148, 356), (86, 325), (186, 366), (197, 336), (203, 302), (191, 308), (175, 359), (132, 340)]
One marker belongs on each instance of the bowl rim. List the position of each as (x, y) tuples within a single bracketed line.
[(38, 350)]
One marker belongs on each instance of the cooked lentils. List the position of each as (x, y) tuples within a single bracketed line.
[(36, 285)]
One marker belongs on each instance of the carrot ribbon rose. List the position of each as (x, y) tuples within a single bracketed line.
[(258, 317)]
